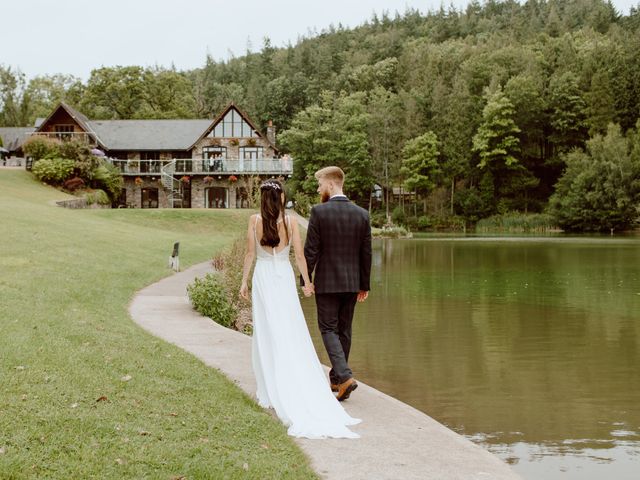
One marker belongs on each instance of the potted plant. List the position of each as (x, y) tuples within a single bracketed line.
[(207, 179), (233, 179), (234, 142), (138, 181), (251, 142), (185, 179)]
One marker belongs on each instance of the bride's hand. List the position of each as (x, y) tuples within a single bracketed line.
[(308, 289), (244, 291)]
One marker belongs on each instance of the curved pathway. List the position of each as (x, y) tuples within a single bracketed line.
[(397, 441)]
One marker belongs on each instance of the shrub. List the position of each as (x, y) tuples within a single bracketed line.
[(73, 184), (303, 204), (98, 196), (389, 232), (53, 170), (108, 176), (74, 149), (378, 219), (86, 166), (411, 222), (424, 222), (209, 296), (38, 147), (398, 216)]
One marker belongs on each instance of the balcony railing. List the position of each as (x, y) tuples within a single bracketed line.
[(207, 166), (81, 136)]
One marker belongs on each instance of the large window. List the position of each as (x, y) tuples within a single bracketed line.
[(233, 125), (250, 153), (150, 162), (249, 159), (216, 197), (213, 158)]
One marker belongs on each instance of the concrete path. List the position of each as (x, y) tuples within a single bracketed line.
[(398, 441)]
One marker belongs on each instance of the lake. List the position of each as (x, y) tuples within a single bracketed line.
[(527, 346)]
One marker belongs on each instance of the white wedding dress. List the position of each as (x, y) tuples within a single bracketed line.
[(288, 373)]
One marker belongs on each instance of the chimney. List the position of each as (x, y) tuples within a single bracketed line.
[(271, 132)]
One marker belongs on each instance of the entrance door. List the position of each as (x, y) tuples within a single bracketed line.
[(186, 195), (216, 197), (149, 198)]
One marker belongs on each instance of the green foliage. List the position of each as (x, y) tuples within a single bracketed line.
[(478, 201), (567, 112), (38, 147), (209, 296), (600, 189), (496, 142), (98, 197), (516, 222), (334, 132), (420, 163), (303, 204), (398, 216), (53, 170), (424, 222), (109, 177)]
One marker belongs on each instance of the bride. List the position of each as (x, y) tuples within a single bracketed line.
[(289, 375)]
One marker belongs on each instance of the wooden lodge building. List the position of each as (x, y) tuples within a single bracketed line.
[(178, 163)]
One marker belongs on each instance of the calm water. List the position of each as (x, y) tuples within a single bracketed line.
[(528, 346)]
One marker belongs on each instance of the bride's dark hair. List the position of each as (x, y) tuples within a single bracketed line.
[(271, 208)]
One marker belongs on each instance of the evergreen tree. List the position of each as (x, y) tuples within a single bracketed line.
[(420, 164)]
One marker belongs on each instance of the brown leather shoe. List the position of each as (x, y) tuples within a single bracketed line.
[(335, 387), (345, 389)]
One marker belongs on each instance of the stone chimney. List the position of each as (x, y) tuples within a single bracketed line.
[(271, 132)]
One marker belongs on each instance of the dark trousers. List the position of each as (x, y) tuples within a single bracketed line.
[(335, 316)]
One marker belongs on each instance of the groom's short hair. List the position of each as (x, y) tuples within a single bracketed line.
[(334, 174)]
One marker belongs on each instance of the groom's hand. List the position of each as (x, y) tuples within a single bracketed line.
[(362, 295)]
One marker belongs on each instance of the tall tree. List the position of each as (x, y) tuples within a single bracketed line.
[(600, 189), (420, 164)]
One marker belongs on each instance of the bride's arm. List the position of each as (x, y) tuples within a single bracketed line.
[(249, 256), (301, 262)]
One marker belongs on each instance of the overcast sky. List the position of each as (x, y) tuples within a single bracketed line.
[(74, 36)]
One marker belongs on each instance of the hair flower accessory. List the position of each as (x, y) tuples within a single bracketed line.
[(269, 184)]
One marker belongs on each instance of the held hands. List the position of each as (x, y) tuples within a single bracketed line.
[(308, 289), (362, 295)]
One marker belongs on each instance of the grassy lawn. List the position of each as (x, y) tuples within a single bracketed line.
[(66, 340)]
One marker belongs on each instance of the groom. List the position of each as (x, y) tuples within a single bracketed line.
[(338, 248)]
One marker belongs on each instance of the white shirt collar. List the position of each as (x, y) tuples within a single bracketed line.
[(338, 195)]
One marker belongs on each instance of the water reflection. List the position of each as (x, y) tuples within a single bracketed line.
[(528, 347)]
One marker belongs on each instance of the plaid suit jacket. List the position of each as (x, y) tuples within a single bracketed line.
[(338, 247)]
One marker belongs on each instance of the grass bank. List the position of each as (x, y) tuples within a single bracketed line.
[(85, 392)]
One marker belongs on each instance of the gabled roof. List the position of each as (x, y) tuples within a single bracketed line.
[(148, 134), (14, 137), (244, 116), (80, 118)]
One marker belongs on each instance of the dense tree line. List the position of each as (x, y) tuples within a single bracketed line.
[(482, 106)]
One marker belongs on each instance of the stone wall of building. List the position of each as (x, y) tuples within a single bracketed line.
[(134, 191), (236, 193)]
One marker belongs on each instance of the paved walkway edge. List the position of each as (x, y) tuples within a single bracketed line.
[(398, 441)]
